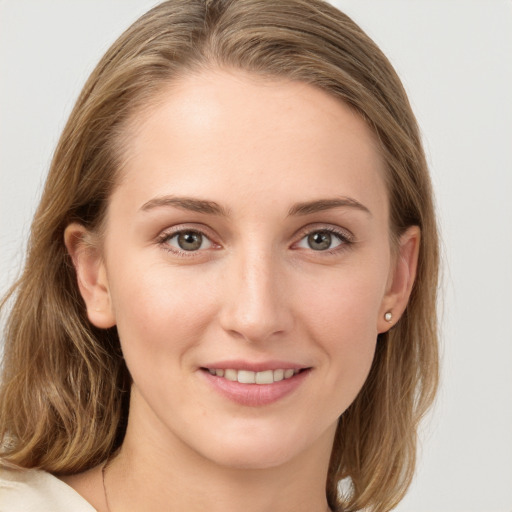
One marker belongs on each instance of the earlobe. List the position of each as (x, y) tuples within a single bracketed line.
[(402, 277), (91, 275)]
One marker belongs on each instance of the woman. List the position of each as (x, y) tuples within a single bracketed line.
[(229, 295)]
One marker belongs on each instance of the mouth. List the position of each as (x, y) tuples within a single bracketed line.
[(263, 377), (256, 386)]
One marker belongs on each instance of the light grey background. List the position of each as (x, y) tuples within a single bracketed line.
[(455, 58)]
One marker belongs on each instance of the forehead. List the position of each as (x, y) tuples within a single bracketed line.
[(235, 137)]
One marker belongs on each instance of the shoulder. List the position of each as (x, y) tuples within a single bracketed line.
[(32, 490)]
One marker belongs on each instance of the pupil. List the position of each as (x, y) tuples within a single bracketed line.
[(320, 240), (190, 241)]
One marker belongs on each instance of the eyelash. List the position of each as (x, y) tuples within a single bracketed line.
[(166, 236), (346, 240)]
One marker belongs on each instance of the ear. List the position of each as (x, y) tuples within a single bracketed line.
[(401, 280), (83, 247)]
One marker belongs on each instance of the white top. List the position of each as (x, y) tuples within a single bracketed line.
[(33, 490)]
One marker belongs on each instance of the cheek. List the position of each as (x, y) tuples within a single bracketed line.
[(342, 320), (159, 312), (346, 301)]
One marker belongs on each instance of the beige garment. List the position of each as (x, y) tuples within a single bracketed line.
[(33, 490)]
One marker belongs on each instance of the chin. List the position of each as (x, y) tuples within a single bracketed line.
[(256, 457), (256, 447)]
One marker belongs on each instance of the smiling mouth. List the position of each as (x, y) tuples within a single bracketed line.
[(250, 377)]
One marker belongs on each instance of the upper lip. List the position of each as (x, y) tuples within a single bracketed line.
[(239, 364)]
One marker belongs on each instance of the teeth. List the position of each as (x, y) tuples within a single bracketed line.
[(288, 373), (266, 377), (278, 375), (248, 377), (231, 375)]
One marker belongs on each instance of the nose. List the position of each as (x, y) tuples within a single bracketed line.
[(256, 304)]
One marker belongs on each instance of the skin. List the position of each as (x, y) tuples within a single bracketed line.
[(256, 290)]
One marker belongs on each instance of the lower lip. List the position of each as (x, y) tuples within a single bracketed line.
[(255, 394)]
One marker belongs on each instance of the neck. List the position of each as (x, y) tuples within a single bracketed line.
[(151, 473)]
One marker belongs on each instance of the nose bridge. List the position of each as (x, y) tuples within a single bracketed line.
[(254, 306)]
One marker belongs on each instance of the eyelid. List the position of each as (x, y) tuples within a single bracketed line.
[(171, 232), (344, 235), (331, 228), (174, 237)]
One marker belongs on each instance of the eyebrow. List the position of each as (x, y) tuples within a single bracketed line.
[(319, 205), (186, 203), (213, 208)]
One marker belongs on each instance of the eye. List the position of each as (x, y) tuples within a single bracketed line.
[(188, 240), (322, 240)]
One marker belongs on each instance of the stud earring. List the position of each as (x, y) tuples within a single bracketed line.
[(388, 316)]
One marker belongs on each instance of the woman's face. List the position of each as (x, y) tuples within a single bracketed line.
[(248, 238)]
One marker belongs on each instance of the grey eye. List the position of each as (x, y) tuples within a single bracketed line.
[(189, 241), (320, 241)]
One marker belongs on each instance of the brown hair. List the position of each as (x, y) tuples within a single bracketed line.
[(64, 392)]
